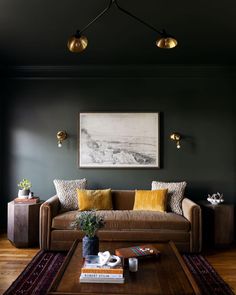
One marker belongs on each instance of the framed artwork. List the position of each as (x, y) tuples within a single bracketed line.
[(119, 140)]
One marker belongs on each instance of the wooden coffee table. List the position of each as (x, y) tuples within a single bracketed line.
[(166, 275)]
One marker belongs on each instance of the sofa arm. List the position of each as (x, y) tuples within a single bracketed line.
[(192, 212), (48, 210)]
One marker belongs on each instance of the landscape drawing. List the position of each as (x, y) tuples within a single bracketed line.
[(119, 140)]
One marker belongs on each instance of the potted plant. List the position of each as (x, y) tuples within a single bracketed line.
[(89, 222), (24, 190)]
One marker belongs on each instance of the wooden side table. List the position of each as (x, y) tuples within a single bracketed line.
[(23, 224), (217, 224)]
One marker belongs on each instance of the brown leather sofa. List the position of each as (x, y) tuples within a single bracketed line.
[(122, 223)]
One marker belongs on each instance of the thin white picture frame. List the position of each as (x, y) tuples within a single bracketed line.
[(119, 140)]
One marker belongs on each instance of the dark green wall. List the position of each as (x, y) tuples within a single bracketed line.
[(201, 107)]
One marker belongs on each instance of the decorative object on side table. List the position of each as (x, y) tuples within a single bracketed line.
[(89, 222), (24, 190), (215, 199)]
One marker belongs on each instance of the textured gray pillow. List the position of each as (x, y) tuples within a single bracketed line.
[(67, 194), (175, 194)]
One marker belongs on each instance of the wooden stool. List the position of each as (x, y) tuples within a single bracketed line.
[(23, 224), (217, 224)]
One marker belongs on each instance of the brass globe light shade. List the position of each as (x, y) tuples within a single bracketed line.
[(77, 43), (166, 42)]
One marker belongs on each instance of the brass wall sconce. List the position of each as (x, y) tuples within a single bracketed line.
[(61, 136), (176, 137), (78, 42)]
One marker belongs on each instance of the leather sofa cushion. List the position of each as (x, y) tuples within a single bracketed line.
[(123, 200), (129, 220)]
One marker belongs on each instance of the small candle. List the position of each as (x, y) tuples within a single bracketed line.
[(133, 264)]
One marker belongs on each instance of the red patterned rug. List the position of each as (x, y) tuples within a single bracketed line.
[(38, 275), (209, 282)]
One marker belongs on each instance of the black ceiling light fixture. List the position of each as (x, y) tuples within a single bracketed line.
[(78, 42)]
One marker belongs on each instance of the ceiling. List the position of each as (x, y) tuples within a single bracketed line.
[(35, 32)]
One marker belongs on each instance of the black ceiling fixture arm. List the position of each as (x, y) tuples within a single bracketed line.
[(124, 11), (78, 43), (97, 17), (136, 18)]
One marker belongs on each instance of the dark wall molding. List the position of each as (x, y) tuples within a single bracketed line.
[(118, 71)]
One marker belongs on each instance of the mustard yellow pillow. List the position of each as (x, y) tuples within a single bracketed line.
[(155, 200), (94, 199)]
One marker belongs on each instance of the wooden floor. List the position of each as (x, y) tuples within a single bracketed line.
[(224, 262), (13, 261)]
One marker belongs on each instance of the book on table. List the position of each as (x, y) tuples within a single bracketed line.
[(143, 251), (102, 281), (33, 200), (93, 272)]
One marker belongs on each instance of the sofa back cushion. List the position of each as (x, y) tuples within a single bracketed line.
[(155, 200), (67, 194), (94, 199), (175, 194), (123, 199)]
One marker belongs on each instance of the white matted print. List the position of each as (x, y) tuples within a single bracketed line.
[(122, 140)]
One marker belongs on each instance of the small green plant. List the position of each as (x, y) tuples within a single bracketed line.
[(89, 222), (25, 184)]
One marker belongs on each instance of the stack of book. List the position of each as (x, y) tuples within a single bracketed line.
[(92, 272), (32, 200)]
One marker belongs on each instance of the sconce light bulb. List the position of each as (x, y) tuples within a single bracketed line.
[(178, 145), (61, 135)]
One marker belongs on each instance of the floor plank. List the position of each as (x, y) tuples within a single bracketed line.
[(224, 262), (13, 261)]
